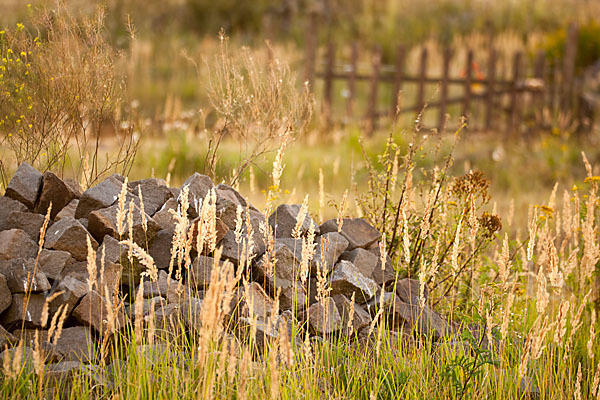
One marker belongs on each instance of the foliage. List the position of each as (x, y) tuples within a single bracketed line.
[(59, 84), (258, 104), (588, 45), (236, 17)]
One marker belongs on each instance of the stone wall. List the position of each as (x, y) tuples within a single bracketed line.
[(37, 283)]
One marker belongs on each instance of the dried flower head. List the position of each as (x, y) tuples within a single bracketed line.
[(474, 184), (490, 224)]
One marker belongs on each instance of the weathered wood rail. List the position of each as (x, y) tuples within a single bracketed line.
[(533, 87)]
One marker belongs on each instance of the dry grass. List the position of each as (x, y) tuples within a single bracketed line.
[(59, 85), (530, 286)]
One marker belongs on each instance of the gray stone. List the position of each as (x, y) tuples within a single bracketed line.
[(160, 287), (200, 273), (293, 298), (68, 210), (25, 185), (72, 291), (286, 321), (7, 206), (104, 222), (283, 221), (191, 313), (146, 305), (369, 265), (92, 311), (227, 192), (117, 262), (346, 279), (332, 245), (284, 275), (324, 317), (408, 291), (112, 251), (20, 278), (164, 218), (7, 339), (178, 292), (166, 317), (175, 191), (233, 251), (54, 191), (198, 185), (5, 295), (16, 243), (69, 235), (25, 354), (262, 303), (154, 194), (84, 223), (294, 245), (160, 249), (227, 212), (329, 246), (75, 187), (357, 231), (108, 275), (52, 262), (74, 344), (528, 389), (280, 270), (17, 313), (100, 196), (389, 266), (158, 355), (153, 181), (411, 318), (389, 340), (360, 317), (61, 377), (221, 231), (27, 221), (312, 290), (264, 333), (387, 302)]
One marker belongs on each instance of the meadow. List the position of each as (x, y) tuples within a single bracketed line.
[(500, 231)]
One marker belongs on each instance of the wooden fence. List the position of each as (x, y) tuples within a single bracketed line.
[(533, 88)]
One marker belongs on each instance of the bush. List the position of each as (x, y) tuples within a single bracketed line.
[(235, 16), (257, 102), (588, 45), (58, 85)]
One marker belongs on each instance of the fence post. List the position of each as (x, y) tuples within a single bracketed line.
[(540, 73), (372, 105), (328, 86), (553, 86), (468, 83), (421, 83), (398, 77), (569, 67), (444, 89), (514, 117), (491, 83), (310, 51), (352, 80)]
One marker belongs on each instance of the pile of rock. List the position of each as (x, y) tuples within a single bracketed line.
[(349, 258)]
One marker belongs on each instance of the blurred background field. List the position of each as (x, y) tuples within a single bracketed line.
[(295, 100), (166, 50)]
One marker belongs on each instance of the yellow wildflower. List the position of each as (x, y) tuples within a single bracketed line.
[(591, 179)]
